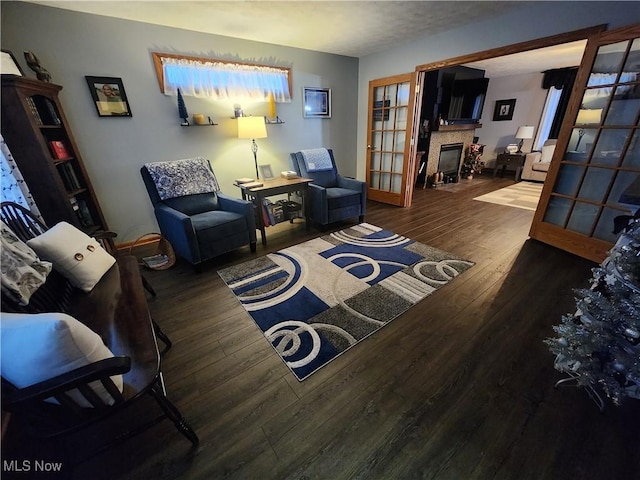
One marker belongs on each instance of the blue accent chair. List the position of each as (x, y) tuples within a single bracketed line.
[(204, 225), (332, 197)]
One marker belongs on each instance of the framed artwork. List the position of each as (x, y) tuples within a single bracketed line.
[(316, 102), (9, 64), (109, 96), (504, 110), (265, 172)]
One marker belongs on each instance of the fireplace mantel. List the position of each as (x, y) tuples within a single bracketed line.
[(460, 127)]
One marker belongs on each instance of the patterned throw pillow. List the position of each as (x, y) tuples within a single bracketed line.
[(22, 271)]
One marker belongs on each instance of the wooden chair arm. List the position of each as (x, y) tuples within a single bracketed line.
[(100, 370)]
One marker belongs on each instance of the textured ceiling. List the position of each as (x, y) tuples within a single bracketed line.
[(340, 27)]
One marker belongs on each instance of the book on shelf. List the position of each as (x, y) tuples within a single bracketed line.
[(155, 261), (59, 149), (53, 112), (66, 178), (86, 219), (34, 110)]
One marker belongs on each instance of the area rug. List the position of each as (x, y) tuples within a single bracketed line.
[(315, 300), (520, 195)]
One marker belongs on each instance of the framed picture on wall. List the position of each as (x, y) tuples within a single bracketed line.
[(316, 102), (109, 96), (504, 110)]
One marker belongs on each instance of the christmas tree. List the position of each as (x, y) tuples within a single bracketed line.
[(182, 110), (598, 346)]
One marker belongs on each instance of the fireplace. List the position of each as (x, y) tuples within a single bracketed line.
[(450, 157)]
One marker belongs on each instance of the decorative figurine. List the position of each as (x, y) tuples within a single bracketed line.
[(34, 64)]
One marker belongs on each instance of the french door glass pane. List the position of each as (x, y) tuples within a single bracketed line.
[(625, 106), (582, 218), (604, 229), (396, 184), (375, 161), (623, 181), (397, 162), (375, 180), (595, 184), (632, 157), (610, 57), (404, 90), (385, 182), (557, 211), (387, 143), (609, 146), (569, 180), (386, 162)]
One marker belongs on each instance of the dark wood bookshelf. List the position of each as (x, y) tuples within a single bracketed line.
[(32, 120)]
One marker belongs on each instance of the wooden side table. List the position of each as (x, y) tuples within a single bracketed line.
[(276, 186), (505, 160)]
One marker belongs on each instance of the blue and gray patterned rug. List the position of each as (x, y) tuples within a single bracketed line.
[(315, 300)]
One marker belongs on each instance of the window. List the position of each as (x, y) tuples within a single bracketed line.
[(220, 79), (548, 114)]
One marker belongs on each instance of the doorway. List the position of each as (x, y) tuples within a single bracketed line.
[(474, 60)]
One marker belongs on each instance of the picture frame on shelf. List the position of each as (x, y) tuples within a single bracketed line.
[(316, 102), (9, 65), (504, 110), (109, 96), (265, 172)]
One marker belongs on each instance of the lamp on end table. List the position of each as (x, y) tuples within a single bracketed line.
[(524, 133), (252, 127)]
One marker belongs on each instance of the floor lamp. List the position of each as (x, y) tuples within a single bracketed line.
[(252, 127)]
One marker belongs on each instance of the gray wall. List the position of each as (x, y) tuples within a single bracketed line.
[(530, 97), (71, 45), (536, 20)]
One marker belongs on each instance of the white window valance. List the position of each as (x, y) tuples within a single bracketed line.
[(201, 77)]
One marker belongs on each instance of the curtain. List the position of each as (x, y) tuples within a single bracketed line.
[(561, 79), (14, 188), (223, 80)]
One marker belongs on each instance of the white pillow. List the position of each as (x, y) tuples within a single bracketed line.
[(36, 347), (77, 256), (547, 153)]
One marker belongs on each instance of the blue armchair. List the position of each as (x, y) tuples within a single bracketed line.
[(332, 197), (192, 213)]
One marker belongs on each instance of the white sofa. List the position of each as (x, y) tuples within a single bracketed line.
[(536, 164)]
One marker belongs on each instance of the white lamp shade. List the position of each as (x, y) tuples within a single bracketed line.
[(525, 131), (252, 127), (589, 116)]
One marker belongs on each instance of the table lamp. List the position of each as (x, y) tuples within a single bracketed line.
[(252, 127), (524, 133)]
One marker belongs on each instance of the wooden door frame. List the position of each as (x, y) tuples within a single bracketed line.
[(550, 41)]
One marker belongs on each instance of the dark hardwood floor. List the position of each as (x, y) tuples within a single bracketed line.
[(459, 387)]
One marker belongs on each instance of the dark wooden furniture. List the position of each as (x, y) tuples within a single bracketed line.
[(116, 309), (510, 161), (277, 186), (40, 140)]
